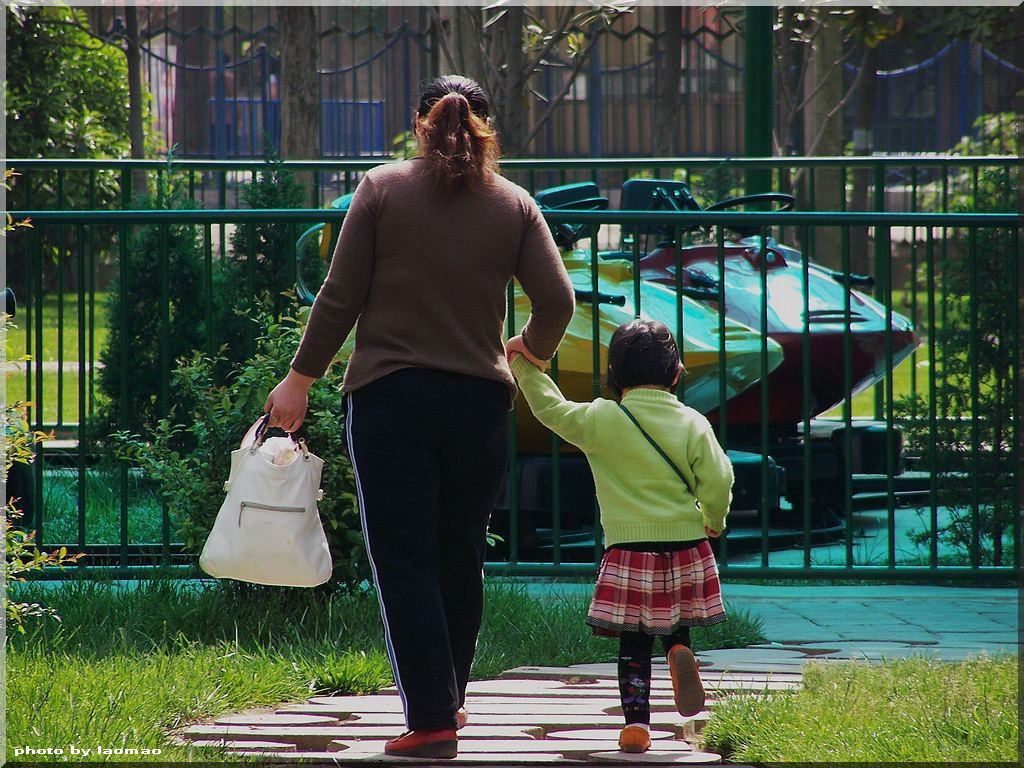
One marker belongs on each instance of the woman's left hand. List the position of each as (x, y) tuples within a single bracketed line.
[(711, 533)]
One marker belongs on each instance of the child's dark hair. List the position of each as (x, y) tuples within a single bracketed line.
[(642, 353)]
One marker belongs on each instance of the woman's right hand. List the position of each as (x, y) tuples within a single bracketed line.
[(287, 402)]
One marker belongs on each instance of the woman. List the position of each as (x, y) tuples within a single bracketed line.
[(423, 261)]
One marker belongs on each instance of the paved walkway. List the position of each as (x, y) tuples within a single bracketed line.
[(949, 622), (571, 716)]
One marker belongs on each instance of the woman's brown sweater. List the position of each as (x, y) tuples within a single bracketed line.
[(425, 272)]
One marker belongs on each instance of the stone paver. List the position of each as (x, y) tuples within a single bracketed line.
[(658, 757), (570, 715), (593, 734), (542, 718)]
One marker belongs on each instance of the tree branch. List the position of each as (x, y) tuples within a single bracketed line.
[(832, 113), (821, 83), (581, 59), (553, 39), (442, 36)]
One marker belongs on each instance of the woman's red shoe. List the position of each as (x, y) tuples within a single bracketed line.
[(440, 744)]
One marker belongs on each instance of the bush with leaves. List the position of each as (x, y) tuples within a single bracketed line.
[(192, 482), (21, 554), (261, 262), (67, 96), (970, 450), (134, 317), (248, 280)]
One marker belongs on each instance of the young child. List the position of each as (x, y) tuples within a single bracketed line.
[(663, 486)]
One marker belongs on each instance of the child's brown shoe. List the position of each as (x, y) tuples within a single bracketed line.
[(686, 684), (461, 718), (438, 744), (634, 738)]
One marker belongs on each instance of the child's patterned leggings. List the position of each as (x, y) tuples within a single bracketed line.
[(635, 670)]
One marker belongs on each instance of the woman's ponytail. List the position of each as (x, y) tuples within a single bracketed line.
[(460, 145)]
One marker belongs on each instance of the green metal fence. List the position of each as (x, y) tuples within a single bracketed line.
[(983, 462), (886, 183)]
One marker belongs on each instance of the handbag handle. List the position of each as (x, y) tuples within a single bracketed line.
[(262, 428), (662, 453)]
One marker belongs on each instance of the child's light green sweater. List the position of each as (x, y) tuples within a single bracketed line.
[(641, 497)]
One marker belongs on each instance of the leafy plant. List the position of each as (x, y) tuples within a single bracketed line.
[(261, 261), (134, 317), (68, 94), (405, 146), (67, 97), (21, 554), (971, 448), (191, 481)]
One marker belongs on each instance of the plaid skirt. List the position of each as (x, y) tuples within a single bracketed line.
[(656, 593)]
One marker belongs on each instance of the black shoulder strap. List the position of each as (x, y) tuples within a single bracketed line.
[(657, 447)]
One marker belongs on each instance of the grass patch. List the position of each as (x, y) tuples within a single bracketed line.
[(67, 406), (907, 710), (125, 665), (102, 508), (16, 332)]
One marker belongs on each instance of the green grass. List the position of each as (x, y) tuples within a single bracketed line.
[(908, 710), (123, 667), (864, 402), (69, 402), (102, 509), (15, 343)]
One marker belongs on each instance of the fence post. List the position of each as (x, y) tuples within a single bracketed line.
[(758, 101)]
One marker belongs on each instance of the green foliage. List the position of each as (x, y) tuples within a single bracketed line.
[(247, 281), (405, 146), (134, 318), (998, 133), (980, 24), (21, 554), (971, 447), (67, 96), (261, 261), (191, 481)]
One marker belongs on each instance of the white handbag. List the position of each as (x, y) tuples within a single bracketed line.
[(268, 529)]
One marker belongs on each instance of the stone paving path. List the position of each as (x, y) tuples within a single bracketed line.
[(571, 716)]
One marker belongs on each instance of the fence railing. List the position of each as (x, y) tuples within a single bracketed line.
[(917, 477), (909, 183)]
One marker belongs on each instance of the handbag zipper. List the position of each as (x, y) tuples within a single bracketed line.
[(271, 507)]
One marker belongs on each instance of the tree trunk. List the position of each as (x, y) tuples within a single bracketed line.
[(668, 70), (135, 110), (862, 145), (513, 107), (790, 62), (824, 135), (465, 43), (300, 102), (192, 89)]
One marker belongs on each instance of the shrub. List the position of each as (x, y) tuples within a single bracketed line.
[(973, 458), (220, 413), (248, 280), (261, 261), (140, 325), (67, 96), (21, 554)]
